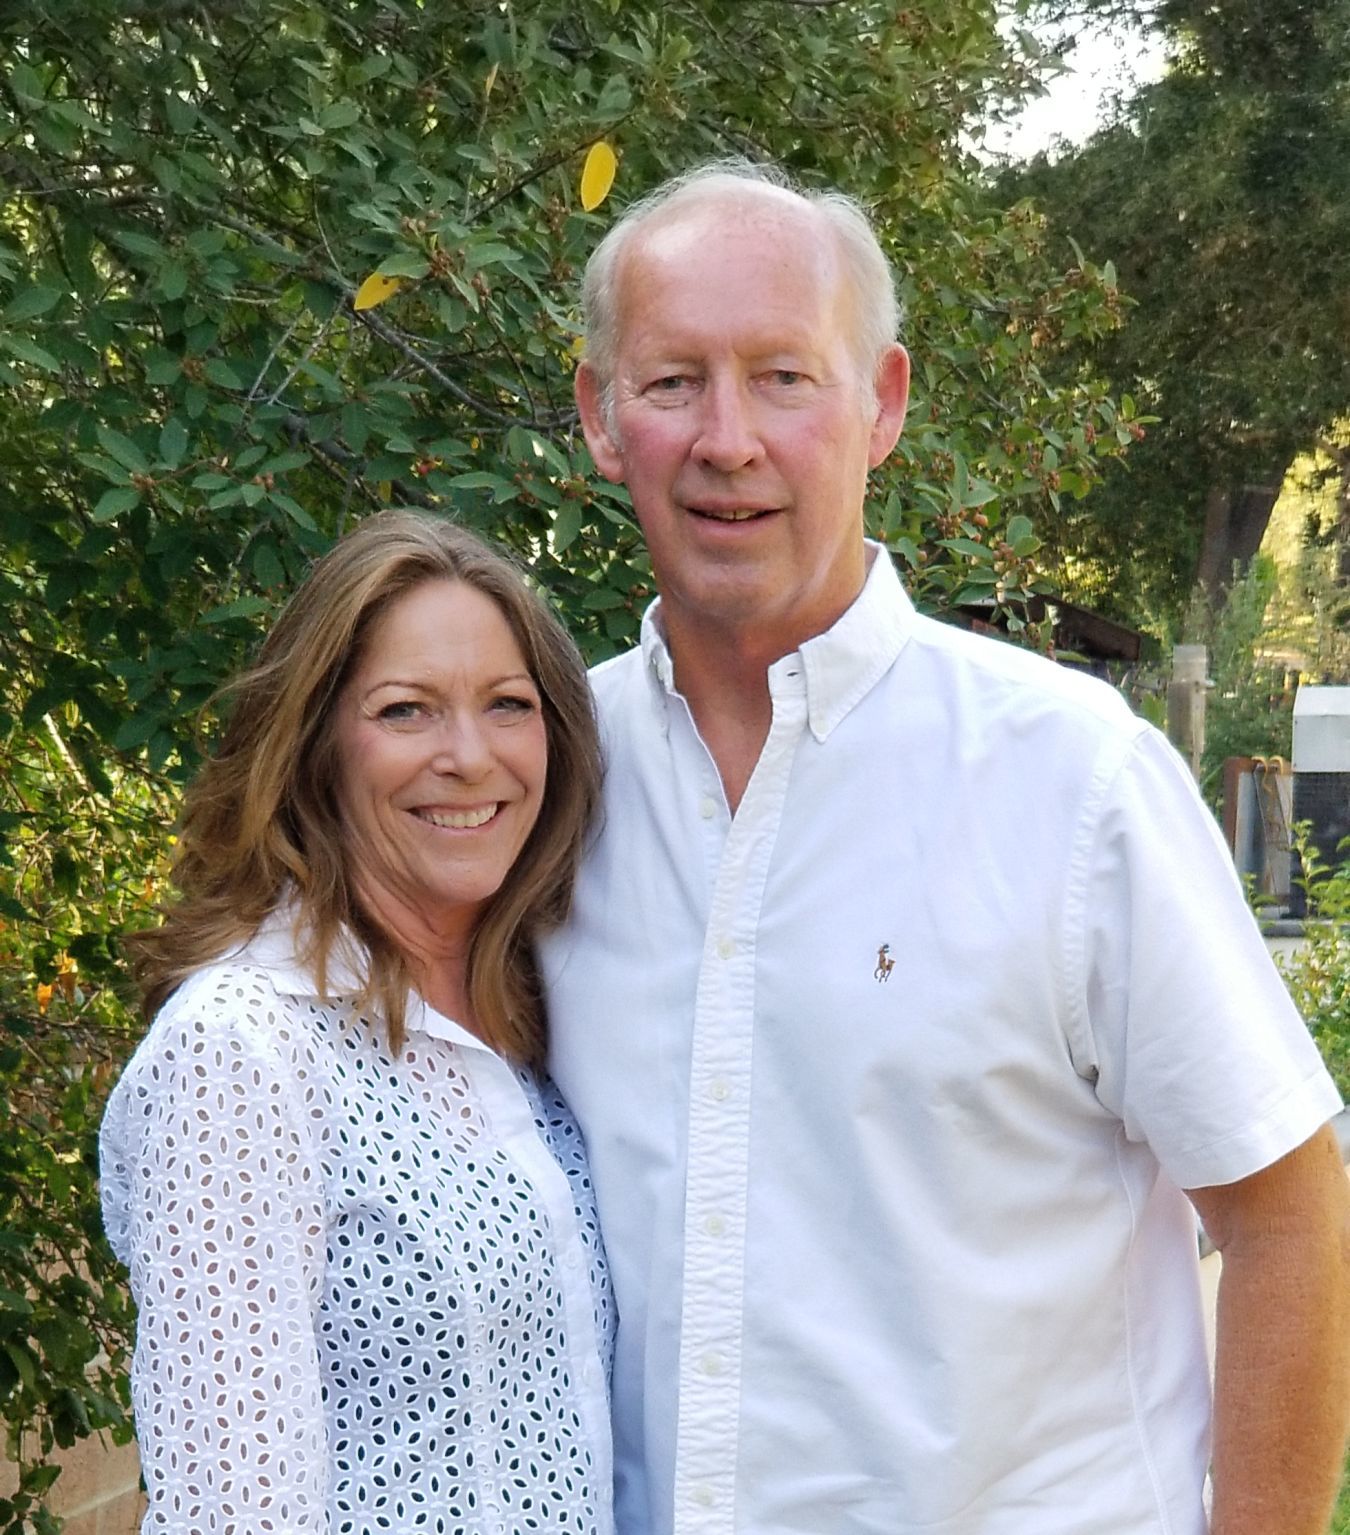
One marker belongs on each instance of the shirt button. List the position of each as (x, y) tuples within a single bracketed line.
[(725, 948), (715, 1225), (719, 1089), (705, 1497), (712, 1363), (707, 807), (590, 1375), (571, 1259)]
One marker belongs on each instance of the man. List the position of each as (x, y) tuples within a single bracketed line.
[(908, 986)]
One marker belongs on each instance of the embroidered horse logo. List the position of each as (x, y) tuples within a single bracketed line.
[(884, 963)]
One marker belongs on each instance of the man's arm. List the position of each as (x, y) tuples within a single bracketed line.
[(1282, 1368)]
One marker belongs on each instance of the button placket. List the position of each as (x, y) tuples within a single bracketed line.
[(719, 1143)]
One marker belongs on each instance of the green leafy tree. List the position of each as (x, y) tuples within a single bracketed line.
[(1222, 196), (191, 199)]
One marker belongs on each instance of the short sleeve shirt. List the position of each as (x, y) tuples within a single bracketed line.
[(915, 1055)]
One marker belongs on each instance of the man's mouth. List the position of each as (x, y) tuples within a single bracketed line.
[(731, 513), (459, 820)]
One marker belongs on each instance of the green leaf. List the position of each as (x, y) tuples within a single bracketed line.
[(966, 546), (480, 479), (979, 493), (32, 302), (182, 115), (242, 607), (173, 280), (25, 84), (341, 114), (283, 463), (138, 244), (221, 374), (112, 503), (133, 733), (405, 264), (173, 441), (163, 368), (566, 526), (30, 352), (121, 447), (104, 467), (24, 1364)]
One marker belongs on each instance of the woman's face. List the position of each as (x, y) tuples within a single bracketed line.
[(443, 757)]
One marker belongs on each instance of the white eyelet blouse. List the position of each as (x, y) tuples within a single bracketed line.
[(372, 1294)]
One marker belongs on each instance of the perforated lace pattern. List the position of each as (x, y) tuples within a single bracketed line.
[(352, 1287)]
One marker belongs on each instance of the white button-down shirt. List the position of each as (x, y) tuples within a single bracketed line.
[(371, 1290), (891, 1082)]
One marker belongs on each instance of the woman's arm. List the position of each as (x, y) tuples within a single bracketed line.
[(224, 1234)]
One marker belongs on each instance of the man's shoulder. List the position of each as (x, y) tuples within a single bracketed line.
[(1024, 681), (612, 679)]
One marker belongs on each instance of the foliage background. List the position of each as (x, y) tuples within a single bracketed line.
[(1222, 194), (191, 409)]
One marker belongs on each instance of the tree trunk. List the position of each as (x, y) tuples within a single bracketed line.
[(1339, 454), (1235, 523)]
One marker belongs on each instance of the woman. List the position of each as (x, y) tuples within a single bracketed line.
[(359, 1227)]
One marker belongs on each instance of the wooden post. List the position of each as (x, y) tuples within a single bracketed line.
[(1186, 703)]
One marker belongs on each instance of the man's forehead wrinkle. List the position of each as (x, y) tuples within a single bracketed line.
[(681, 232)]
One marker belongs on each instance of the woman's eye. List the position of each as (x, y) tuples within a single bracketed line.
[(403, 711), (514, 703)]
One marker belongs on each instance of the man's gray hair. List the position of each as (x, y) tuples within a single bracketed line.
[(867, 271)]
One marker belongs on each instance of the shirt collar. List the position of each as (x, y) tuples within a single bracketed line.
[(274, 948), (840, 666)]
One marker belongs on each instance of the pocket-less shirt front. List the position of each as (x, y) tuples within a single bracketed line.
[(371, 1290)]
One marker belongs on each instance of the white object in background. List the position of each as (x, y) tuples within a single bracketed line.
[(1322, 730)]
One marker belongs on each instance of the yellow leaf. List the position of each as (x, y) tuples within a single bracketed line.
[(578, 347), (44, 997), (489, 82), (386, 491), (597, 175), (375, 290)]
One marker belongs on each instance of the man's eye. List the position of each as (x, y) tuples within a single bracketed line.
[(669, 384), (786, 377)]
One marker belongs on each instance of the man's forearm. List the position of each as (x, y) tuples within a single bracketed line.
[(1282, 1373)]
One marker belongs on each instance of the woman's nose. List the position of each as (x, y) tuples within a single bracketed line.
[(462, 748)]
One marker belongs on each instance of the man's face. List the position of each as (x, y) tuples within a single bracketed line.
[(740, 421)]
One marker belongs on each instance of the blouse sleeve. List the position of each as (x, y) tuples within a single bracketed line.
[(214, 1199)]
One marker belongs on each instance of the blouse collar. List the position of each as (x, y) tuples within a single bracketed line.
[(274, 948)]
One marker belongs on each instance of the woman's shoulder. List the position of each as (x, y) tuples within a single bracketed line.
[(235, 1010)]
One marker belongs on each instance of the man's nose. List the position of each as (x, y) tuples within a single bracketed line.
[(728, 438)]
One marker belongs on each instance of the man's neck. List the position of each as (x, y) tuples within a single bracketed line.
[(723, 673), (723, 677)]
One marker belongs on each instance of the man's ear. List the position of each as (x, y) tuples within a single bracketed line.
[(892, 387), (600, 438)]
